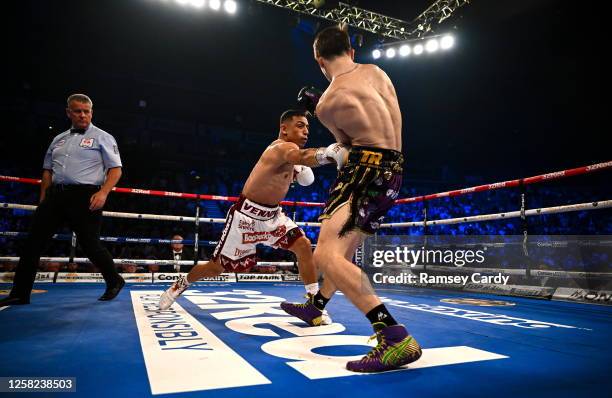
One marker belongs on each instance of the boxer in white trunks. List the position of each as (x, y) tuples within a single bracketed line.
[(257, 217)]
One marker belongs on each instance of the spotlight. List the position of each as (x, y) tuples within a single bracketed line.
[(215, 4), (230, 6), (432, 46), (447, 42), (418, 49), (404, 50), (182, 2), (197, 3), (376, 54), (390, 53)]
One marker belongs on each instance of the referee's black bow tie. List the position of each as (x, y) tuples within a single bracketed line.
[(78, 131)]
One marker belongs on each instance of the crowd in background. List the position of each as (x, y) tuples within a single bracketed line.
[(227, 183), (191, 155)]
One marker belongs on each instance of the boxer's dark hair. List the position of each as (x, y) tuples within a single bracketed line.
[(289, 114), (332, 42)]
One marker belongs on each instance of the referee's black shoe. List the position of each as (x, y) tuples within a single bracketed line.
[(5, 302), (112, 291)]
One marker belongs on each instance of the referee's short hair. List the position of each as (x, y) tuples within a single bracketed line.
[(82, 98)]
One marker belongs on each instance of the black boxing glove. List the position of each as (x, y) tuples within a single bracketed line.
[(308, 98)]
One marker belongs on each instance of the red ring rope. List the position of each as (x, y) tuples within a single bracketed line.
[(458, 192)]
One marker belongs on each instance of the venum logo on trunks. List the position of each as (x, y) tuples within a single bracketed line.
[(244, 225), (259, 212), (254, 237)]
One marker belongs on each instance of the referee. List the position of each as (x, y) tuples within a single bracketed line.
[(81, 167)]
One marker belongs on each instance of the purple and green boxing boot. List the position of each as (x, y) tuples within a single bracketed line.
[(395, 348), (307, 312)]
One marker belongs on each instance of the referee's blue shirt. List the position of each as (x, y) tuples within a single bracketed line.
[(82, 158)]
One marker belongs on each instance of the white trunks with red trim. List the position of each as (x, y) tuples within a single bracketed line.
[(249, 224)]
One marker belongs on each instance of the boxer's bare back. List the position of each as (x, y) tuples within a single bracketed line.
[(360, 108)]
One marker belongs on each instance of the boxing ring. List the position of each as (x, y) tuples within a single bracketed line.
[(228, 337)]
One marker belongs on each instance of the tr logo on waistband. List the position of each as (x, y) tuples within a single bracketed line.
[(370, 157)]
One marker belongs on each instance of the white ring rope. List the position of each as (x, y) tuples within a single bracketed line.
[(447, 221), (84, 260), (157, 217), (511, 214)]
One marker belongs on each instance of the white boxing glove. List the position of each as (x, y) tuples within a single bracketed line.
[(338, 152), (303, 175), (321, 158)]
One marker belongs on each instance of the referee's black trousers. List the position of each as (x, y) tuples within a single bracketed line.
[(63, 204)]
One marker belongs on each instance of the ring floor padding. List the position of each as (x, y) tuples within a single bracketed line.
[(533, 348)]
